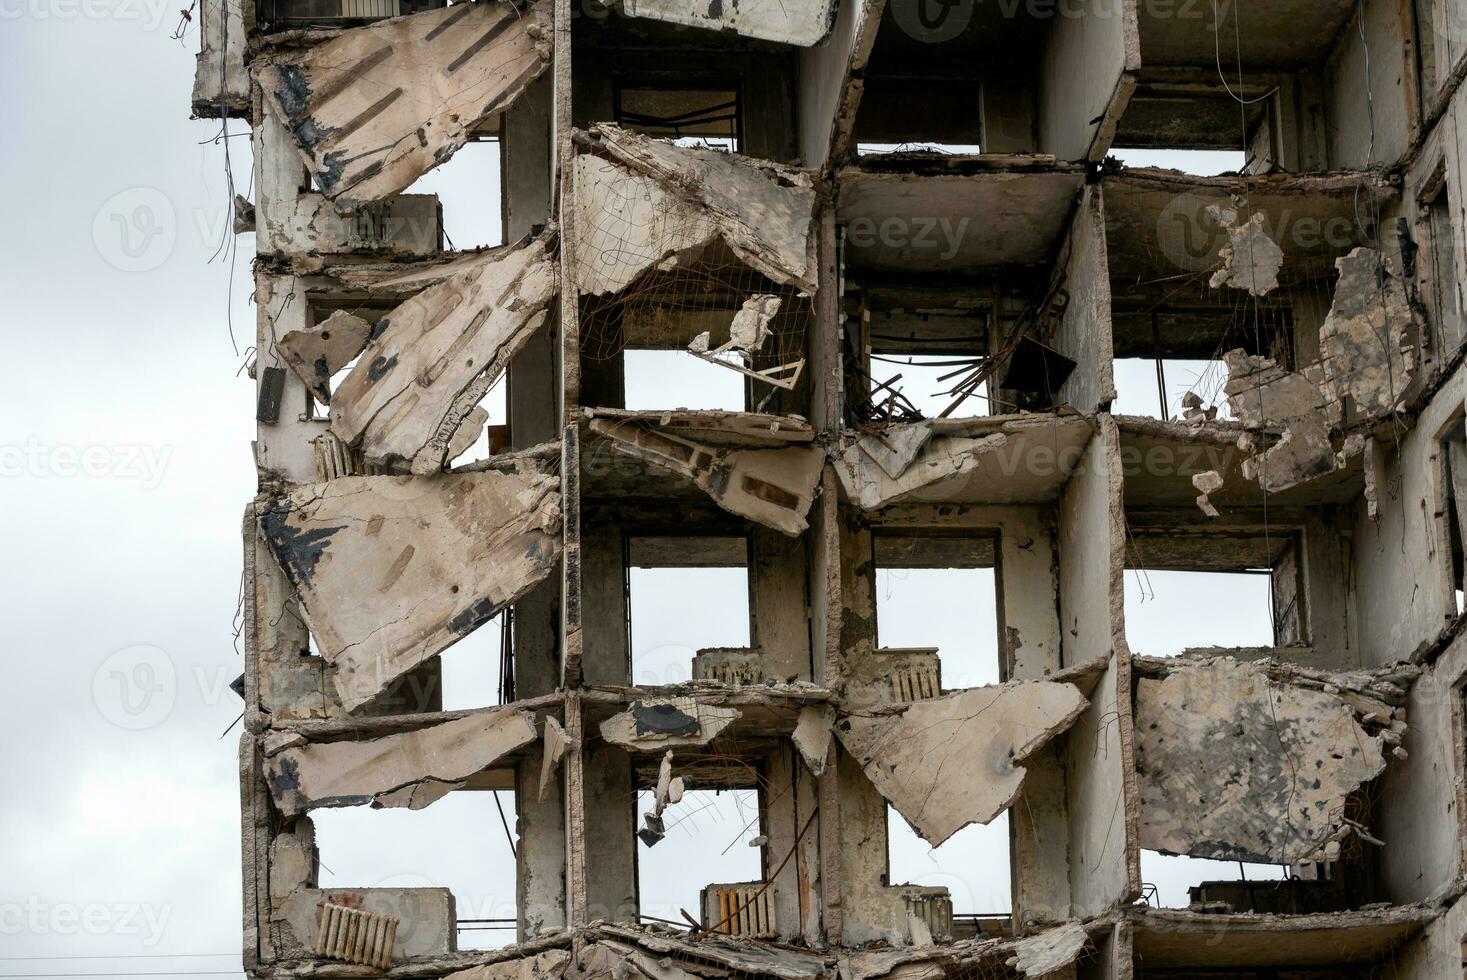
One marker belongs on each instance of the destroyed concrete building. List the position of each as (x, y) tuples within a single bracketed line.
[(796, 195)]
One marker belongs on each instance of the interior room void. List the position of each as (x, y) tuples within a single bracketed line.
[(1282, 79), (1169, 880), (459, 843), (679, 609), (1165, 235), (980, 73)]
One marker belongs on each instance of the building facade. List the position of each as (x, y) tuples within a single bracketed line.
[(817, 202)]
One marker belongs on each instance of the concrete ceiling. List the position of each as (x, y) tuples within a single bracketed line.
[(1279, 34), (941, 224)]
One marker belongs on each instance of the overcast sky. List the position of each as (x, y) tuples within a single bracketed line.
[(126, 467)]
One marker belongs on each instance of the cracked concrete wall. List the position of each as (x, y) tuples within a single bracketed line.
[(1095, 52), (1421, 819), (1100, 784), (1352, 137), (1084, 331), (1401, 584), (832, 75)]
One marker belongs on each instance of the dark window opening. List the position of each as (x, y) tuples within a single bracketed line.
[(700, 117)]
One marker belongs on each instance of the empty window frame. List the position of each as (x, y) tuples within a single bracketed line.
[(1200, 163), (925, 382), (1442, 291), (940, 592), (684, 595), (668, 379), (708, 116), (1188, 591), (1156, 388), (459, 842), (470, 193), (973, 865)]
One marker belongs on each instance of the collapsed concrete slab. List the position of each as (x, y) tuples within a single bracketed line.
[(773, 487), (1255, 761), (646, 204), (1263, 395), (813, 731), (1046, 954), (409, 769), (658, 724), (1250, 260), (1366, 340), (433, 358), (374, 109), (317, 353), (799, 24), (864, 471), (950, 761), (392, 570), (549, 965)]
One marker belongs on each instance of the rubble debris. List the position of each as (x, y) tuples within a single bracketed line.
[(942, 457), (895, 446), (1207, 482), (547, 965), (356, 935), (244, 215), (654, 724), (1254, 761), (392, 570), (668, 792), (1366, 340), (552, 743), (1193, 410), (376, 107), (799, 24), (747, 333), (432, 359), (1048, 952), (774, 487), (409, 769), (950, 761), (655, 205), (317, 353), (1261, 394), (813, 730), (1250, 260)]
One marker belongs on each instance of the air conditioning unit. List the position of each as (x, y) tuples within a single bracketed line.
[(744, 909)]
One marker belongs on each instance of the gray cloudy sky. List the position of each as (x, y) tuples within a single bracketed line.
[(124, 469)]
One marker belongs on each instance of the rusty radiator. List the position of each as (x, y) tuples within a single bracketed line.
[(915, 682), (355, 935), (745, 909), (933, 906)]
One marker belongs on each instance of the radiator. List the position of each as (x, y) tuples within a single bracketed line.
[(744, 910), (355, 936), (915, 682), (733, 666), (368, 9), (934, 907)]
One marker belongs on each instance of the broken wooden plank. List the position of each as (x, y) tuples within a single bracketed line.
[(433, 358), (950, 761), (385, 771), (773, 487), (648, 204), (376, 107), (1237, 765), (392, 570)]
